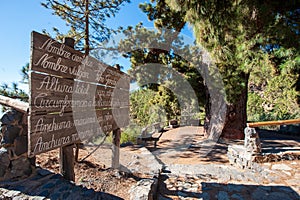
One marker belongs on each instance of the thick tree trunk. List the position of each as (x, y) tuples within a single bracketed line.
[(236, 119), (207, 112), (236, 115)]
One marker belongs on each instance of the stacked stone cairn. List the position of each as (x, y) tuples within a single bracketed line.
[(244, 156), (14, 162)]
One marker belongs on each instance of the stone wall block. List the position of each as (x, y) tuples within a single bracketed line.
[(4, 162), (21, 145), (14, 163)]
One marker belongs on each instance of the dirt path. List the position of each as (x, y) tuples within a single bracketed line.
[(181, 146)]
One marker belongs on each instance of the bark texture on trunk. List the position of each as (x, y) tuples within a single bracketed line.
[(236, 119), (236, 115), (207, 112)]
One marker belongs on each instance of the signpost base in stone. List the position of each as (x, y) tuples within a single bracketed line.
[(244, 155)]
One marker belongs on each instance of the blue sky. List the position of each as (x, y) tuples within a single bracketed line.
[(19, 18)]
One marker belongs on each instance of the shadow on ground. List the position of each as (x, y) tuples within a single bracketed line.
[(184, 145), (212, 190), (275, 142), (49, 185)]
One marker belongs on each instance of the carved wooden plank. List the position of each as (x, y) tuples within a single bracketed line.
[(51, 131), (49, 45), (54, 123), (47, 103), (54, 94), (94, 72)]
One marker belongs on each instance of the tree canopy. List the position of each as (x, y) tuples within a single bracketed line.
[(246, 38), (165, 47), (86, 19)]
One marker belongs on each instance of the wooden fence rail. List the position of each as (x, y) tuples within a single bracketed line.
[(16, 104), (273, 123)]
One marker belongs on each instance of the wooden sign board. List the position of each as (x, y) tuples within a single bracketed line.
[(54, 94), (72, 97)]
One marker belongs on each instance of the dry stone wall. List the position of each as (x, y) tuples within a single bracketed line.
[(244, 156), (14, 162)]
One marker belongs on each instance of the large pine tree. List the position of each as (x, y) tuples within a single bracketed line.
[(242, 37)]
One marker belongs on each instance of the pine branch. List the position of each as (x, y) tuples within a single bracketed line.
[(68, 8)]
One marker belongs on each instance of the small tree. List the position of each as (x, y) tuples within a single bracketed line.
[(86, 19), (166, 38)]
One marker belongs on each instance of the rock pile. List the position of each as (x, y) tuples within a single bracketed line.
[(144, 189)]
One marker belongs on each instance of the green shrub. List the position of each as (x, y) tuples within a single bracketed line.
[(130, 134)]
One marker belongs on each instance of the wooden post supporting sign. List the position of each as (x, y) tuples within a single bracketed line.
[(115, 160), (66, 153), (66, 162)]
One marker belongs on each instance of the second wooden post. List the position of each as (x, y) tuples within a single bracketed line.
[(115, 162)]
